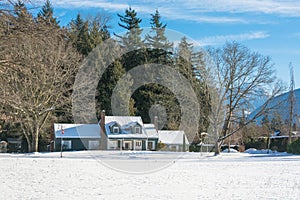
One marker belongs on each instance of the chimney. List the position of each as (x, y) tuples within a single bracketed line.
[(156, 123), (102, 121), (103, 140)]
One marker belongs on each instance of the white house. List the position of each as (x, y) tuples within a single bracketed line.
[(173, 140), (126, 133)]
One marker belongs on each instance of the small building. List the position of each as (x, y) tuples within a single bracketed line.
[(16, 144), (76, 137), (126, 133), (173, 140)]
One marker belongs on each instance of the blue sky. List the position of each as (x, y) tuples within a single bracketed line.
[(270, 27)]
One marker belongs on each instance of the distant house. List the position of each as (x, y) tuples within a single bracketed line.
[(76, 136), (173, 140), (16, 144), (126, 133)]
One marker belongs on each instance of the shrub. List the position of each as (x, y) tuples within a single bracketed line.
[(294, 147)]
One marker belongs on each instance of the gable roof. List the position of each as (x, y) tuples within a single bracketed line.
[(128, 122), (151, 130), (172, 137), (77, 131), (124, 120)]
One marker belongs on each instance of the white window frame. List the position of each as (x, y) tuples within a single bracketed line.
[(113, 144), (153, 145), (94, 144), (67, 144), (138, 143), (137, 128), (116, 128)]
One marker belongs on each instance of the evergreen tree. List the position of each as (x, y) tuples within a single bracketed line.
[(190, 64), (157, 41), (130, 22), (98, 32), (132, 40), (87, 34), (184, 59), (106, 86), (159, 52), (46, 14), (21, 13), (79, 35)]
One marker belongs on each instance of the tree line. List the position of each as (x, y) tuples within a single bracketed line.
[(40, 59)]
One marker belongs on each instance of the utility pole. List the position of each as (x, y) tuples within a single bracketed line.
[(291, 101)]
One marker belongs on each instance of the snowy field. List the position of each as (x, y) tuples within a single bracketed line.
[(118, 175)]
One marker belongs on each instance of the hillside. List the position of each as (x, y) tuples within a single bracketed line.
[(282, 107)]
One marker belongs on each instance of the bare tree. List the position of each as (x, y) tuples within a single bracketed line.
[(236, 77), (37, 67)]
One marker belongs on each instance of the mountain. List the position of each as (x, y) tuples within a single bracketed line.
[(281, 104)]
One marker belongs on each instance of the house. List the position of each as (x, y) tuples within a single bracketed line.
[(16, 144), (152, 133), (76, 137), (173, 140), (126, 133)]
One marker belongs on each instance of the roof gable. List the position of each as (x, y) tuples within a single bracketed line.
[(124, 120), (127, 124)]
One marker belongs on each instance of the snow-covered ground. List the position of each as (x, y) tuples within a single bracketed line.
[(97, 175)]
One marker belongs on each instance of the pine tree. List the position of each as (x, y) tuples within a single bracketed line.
[(130, 22), (158, 52), (131, 40), (46, 15), (190, 64), (184, 59), (157, 41), (79, 35), (98, 32), (87, 34), (21, 13)]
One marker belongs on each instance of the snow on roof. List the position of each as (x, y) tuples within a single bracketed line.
[(130, 124), (124, 120), (172, 137), (129, 135), (150, 130), (77, 130)]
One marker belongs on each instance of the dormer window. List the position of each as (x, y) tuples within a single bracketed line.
[(137, 129), (116, 130)]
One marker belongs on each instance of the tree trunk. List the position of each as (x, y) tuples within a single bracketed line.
[(35, 141), (29, 146), (217, 148)]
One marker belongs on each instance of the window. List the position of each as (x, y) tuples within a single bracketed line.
[(112, 145), (151, 145), (138, 143), (137, 130), (66, 144), (115, 129), (94, 144)]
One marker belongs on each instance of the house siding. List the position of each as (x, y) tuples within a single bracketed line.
[(76, 144)]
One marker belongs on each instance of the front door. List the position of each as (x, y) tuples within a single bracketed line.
[(127, 145)]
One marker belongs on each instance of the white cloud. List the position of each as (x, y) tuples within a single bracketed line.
[(194, 10), (221, 39), (280, 7), (169, 10), (90, 4)]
